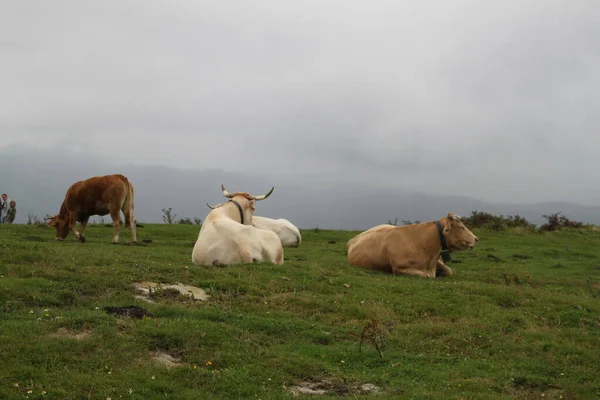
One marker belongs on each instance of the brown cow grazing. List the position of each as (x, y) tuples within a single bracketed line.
[(99, 195), (411, 249)]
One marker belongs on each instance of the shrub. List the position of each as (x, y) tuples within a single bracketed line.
[(168, 215), (480, 219), (404, 222), (33, 219), (556, 221)]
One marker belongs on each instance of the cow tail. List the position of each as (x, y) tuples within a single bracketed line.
[(129, 205), (129, 210)]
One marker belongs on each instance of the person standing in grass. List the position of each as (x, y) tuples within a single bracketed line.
[(4, 204), (12, 212)]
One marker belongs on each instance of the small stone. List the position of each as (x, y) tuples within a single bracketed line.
[(369, 388)]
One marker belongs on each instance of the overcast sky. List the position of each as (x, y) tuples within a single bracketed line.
[(497, 100)]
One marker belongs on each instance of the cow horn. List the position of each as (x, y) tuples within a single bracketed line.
[(225, 192), (454, 217), (264, 196), (212, 207)]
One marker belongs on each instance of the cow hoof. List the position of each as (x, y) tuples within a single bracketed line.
[(82, 239), (443, 273), (114, 242), (217, 263)]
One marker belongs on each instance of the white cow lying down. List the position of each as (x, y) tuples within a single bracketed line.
[(227, 236), (288, 233)]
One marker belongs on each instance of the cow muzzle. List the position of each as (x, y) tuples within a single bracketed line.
[(473, 243)]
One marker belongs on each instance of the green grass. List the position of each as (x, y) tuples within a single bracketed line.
[(519, 318)]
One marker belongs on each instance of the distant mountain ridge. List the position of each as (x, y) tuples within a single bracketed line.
[(38, 180)]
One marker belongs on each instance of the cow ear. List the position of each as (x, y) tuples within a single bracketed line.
[(446, 229), (453, 217)]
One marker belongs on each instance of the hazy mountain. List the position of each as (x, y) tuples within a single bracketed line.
[(38, 179)]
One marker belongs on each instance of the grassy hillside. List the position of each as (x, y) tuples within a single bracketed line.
[(520, 318)]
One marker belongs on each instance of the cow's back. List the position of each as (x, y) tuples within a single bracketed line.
[(222, 241), (287, 232), (263, 245), (394, 248), (93, 195), (369, 248)]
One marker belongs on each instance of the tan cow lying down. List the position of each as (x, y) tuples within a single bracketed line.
[(228, 237), (411, 249), (99, 195)]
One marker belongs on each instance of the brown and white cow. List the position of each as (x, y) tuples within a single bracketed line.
[(228, 237), (411, 249), (99, 195)]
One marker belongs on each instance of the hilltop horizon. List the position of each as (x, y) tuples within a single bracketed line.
[(39, 179)]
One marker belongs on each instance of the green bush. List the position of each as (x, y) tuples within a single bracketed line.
[(556, 221), (485, 220)]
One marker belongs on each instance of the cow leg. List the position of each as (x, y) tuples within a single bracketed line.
[(279, 257), (84, 223), (276, 257), (442, 269), (246, 256), (130, 219), (73, 226), (117, 223), (132, 228), (412, 272)]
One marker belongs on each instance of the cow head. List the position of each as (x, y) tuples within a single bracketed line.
[(245, 200), (61, 225), (458, 236)]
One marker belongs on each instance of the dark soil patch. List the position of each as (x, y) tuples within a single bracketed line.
[(129, 311), (34, 239)]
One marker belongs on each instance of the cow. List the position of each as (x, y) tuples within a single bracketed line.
[(288, 233), (99, 195), (411, 249), (228, 237)]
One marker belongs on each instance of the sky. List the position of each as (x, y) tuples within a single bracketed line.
[(496, 100)]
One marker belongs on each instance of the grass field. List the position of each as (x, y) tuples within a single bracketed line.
[(520, 318)]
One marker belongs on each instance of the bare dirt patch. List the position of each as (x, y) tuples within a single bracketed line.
[(70, 334), (146, 288), (331, 386), (166, 359)]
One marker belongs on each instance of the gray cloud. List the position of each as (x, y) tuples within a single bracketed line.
[(495, 100)]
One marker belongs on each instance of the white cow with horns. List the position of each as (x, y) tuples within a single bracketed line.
[(228, 237)]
